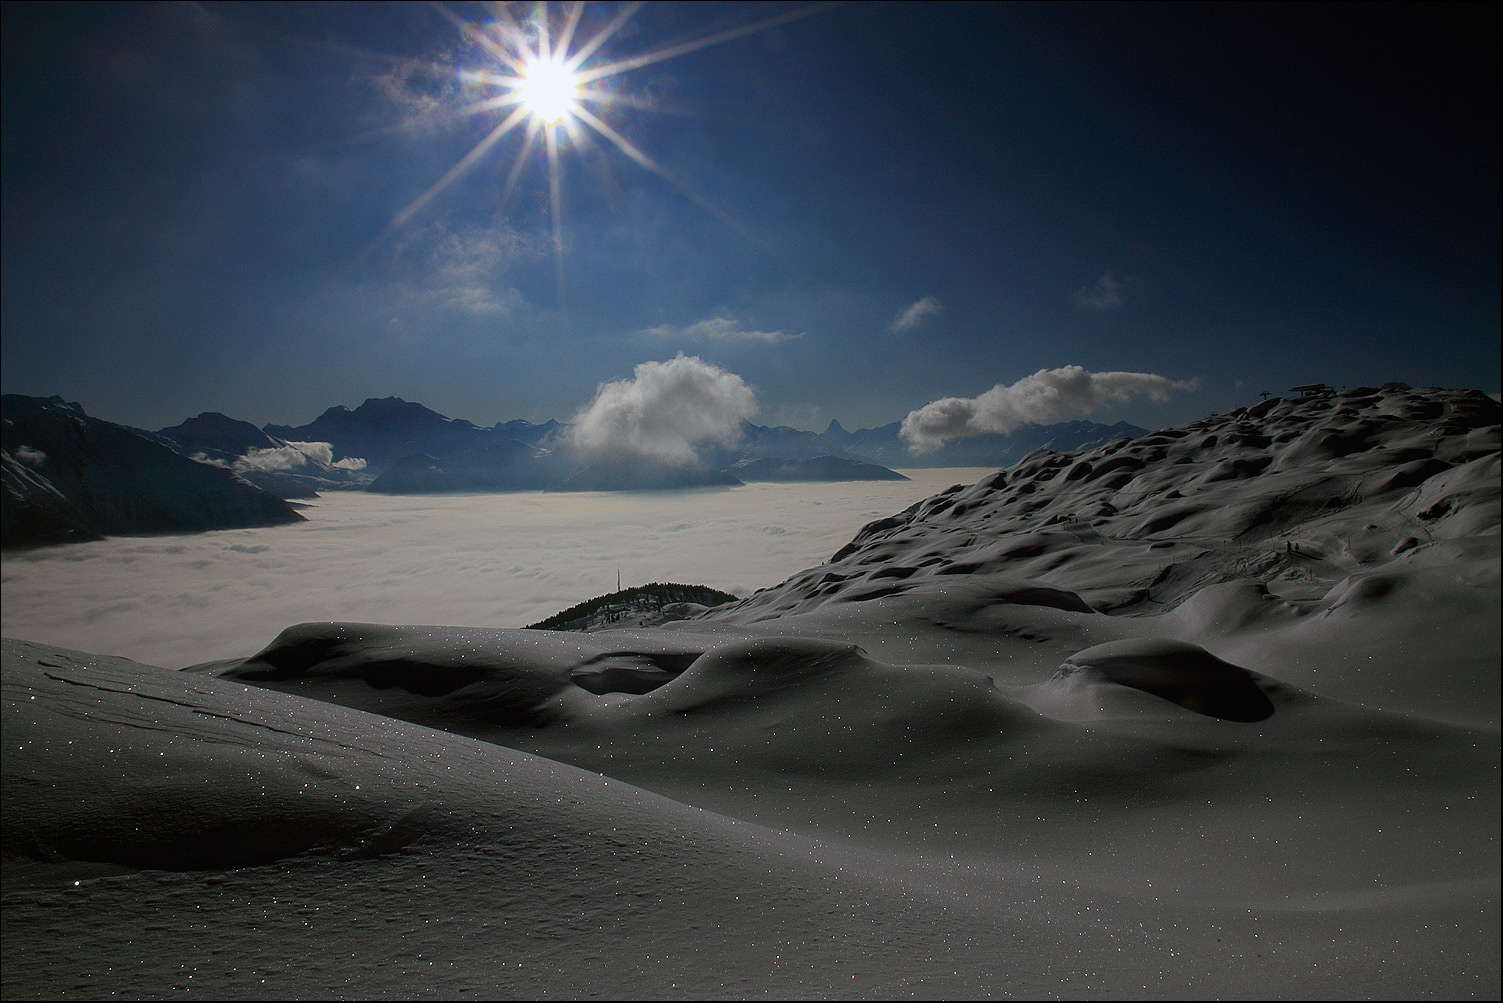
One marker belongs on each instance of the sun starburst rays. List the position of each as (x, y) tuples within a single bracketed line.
[(559, 97)]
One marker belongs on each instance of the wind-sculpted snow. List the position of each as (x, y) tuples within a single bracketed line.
[(1183, 674), (467, 679), (162, 828), (1280, 485), (1296, 500)]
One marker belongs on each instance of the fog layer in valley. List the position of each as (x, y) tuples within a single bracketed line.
[(502, 560)]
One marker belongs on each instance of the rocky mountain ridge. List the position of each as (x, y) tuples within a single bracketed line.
[(69, 477)]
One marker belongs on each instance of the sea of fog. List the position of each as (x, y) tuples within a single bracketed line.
[(499, 560)]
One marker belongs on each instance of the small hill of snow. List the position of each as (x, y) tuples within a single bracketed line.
[(1315, 538), (638, 606)]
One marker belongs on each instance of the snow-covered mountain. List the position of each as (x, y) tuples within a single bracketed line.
[(70, 477), (1206, 714), (1345, 481)]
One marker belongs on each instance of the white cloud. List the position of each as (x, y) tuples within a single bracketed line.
[(31, 456), (295, 455), (915, 315), (1049, 395), (1108, 293), (318, 452), (418, 90), (665, 411), (273, 460), (465, 269), (440, 269), (719, 327)]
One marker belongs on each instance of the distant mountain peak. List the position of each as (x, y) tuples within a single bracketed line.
[(388, 404), (213, 418), (397, 409), (66, 405)]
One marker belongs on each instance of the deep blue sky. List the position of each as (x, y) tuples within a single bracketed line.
[(195, 197)]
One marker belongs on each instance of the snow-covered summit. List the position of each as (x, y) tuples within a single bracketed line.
[(1289, 490)]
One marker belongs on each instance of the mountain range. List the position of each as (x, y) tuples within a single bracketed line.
[(425, 451), (69, 476)]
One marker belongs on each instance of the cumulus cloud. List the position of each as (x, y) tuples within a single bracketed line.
[(665, 411), (719, 327), (1049, 395), (273, 460), (295, 455), (915, 315), (318, 452), (323, 453), (1107, 293)]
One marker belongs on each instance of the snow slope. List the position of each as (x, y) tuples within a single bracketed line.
[(1212, 714)]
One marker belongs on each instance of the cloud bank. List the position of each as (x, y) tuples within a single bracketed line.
[(719, 327), (488, 560), (915, 315), (665, 411), (1049, 395)]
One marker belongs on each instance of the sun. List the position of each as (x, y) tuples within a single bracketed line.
[(538, 74), (549, 90)]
